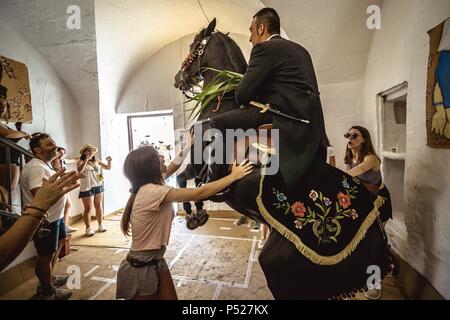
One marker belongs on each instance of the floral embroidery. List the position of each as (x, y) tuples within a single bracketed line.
[(313, 195), (282, 201), (326, 227), (281, 197), (344, 200), (356, 180), (298, 209), (345, 184)]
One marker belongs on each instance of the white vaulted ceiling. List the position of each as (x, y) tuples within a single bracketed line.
[(72, 53), (118, 37)]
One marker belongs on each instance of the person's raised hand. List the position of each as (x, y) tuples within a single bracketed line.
[(54, 188), (241, 170)]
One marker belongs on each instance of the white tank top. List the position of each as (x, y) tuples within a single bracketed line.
[(94, 177)]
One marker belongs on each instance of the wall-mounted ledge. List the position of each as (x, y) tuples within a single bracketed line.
[(393, 155)]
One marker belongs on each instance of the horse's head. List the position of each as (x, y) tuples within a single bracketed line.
[(190, 73)]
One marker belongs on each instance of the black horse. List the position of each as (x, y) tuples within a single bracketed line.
[(294, 268)]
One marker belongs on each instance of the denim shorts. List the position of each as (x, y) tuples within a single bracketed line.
[(90, 193), (48, 245)]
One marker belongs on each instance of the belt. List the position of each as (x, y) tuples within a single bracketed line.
[(139, 264)]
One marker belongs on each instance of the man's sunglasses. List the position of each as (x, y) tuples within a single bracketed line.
[(351, 136)]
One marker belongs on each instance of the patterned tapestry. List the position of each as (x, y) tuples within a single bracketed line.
[(14, 77), (438, 87)]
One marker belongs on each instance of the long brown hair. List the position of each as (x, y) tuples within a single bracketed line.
[(141, 167), (366, 147)]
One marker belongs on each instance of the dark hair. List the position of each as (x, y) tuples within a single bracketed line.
[(36, 139), (61, 148), (83, 157), (366, 147), (270, 18), (141, 167)]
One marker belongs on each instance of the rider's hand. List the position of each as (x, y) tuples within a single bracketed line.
[(242, 170)]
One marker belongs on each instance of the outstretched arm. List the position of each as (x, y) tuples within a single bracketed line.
[(106, 166), (18, 236), (178, 161), (209, 189)]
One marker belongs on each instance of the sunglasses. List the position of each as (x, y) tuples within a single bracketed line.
[(351, 136)]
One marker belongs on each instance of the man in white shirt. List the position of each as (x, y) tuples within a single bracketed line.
[(50, 242)]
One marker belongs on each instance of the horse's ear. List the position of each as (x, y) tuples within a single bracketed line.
[(211, 27)]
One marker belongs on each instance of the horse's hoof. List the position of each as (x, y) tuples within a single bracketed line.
[(191, 222), (202, 217)]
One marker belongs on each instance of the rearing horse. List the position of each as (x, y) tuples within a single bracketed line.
[(317, 248)]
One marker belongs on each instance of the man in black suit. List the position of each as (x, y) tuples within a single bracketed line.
[(281, 73)]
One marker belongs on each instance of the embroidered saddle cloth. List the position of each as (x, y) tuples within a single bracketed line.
[(326, 215)]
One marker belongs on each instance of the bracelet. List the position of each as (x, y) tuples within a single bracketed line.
[(36, 208), (34, 214)]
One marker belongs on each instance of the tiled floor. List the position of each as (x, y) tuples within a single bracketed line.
[(216, 261)]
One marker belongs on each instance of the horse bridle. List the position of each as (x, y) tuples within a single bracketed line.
[(195, 55)]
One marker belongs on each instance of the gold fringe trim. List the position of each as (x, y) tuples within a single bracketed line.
[(308, 252)]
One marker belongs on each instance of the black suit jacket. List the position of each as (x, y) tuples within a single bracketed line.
[(280, 72)]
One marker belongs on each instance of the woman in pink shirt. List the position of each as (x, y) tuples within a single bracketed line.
[(148, 215)]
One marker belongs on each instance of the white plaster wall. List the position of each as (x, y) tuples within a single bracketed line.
[(399, 52), (151, 89), (54, 109), (342, 109)]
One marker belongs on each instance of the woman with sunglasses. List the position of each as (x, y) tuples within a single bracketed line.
[(362, 162)]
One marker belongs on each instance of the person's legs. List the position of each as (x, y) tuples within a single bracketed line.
[(15, 174), (43, 271), (98, 204), (67, 211), (198, 204), (87, 204), (264, 235), (166, 287), (46, 246), (246, 118), (182, 183), (62, 238)]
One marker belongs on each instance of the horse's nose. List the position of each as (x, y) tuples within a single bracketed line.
[(179, 80)]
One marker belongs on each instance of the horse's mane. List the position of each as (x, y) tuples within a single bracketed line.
[(234, 52)]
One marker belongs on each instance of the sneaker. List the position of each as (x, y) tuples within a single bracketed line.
[(89, 232), (57, 294), (373, 294), (59, 281), (71, 229), (240, 221), (261, 243), (101, 228)]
